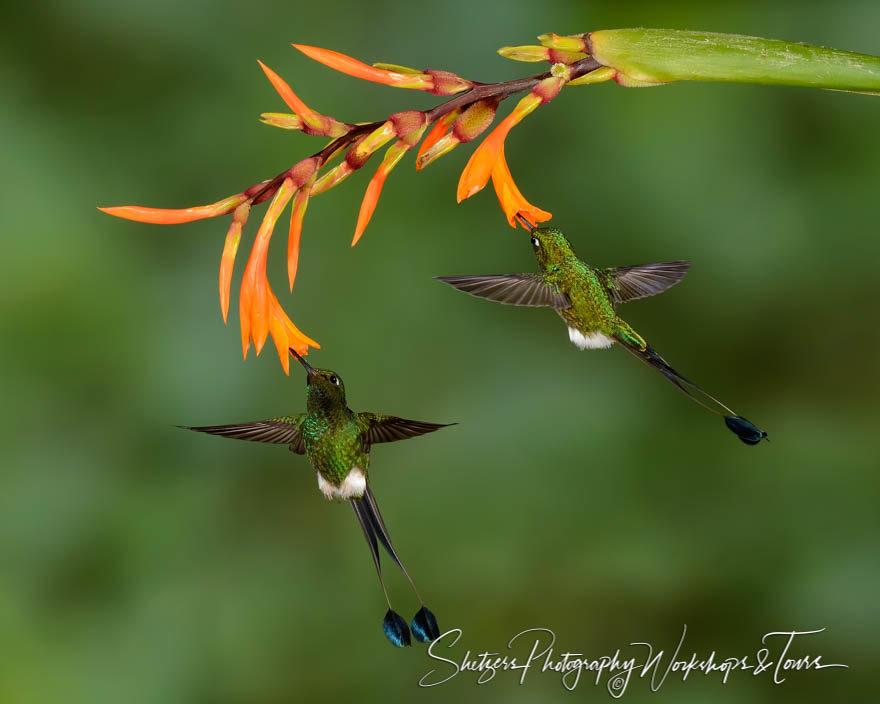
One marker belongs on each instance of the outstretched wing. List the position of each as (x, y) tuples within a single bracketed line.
[(511, 289), (284, 430), (628, 283), (379, 428)]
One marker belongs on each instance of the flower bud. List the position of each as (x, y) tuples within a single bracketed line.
[(408, 122), (573, 42), (284, 120), (475, 119), (527, 53), (447, 83)]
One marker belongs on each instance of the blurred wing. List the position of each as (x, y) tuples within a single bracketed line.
[(628, 283), (510, 289), (278, 431), (379, 428)]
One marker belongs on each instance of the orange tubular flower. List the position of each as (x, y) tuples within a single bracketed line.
[(512, 201), (479, 167), (227, 260), (297, 213), (409, 126), (460, 120), (374, 188), (358, 69), (285, 334), (313, 122), (175, 216), (259, 310)]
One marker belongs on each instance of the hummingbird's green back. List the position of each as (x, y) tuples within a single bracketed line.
[(592, 309)]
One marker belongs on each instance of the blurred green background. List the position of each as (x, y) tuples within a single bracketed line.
[(141, 563)]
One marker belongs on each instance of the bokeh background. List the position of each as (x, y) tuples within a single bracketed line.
[(141, 563)]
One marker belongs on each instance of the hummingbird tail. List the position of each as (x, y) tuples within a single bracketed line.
[(683, 384), (394, 626), (744, 429), (367, 511), (370, 535)]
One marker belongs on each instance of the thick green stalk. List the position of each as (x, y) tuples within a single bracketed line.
[(654, 56)]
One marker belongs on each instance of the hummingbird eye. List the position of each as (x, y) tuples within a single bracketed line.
[(535, 241), (334, 379)]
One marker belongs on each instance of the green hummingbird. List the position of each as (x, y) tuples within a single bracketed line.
[(586, 299), (337, 442)]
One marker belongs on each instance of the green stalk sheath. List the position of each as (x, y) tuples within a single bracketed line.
[(654, 56)]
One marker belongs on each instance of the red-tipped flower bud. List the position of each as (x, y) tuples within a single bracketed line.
[(409, 122)]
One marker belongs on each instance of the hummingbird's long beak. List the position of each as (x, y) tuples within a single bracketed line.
[(310, 370), (525, 222)]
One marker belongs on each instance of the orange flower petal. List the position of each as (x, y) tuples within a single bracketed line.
[(440, 128), (374, 188), (297, 213), (479, 167), (230, 248), (368, 204), (476, 172), (279, 337), (298, 340), (244, 314), (358, 69), (285, 334), (175, 216), (512, 201)]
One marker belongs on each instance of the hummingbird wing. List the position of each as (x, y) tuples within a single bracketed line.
[(380, 428), (628, 283), (284, 430), (511, 289)]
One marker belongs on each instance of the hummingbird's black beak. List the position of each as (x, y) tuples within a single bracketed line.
[(526, 224), (310, 370)]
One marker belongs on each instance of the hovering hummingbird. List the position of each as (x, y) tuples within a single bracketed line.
[(337, 442), (586, 299)]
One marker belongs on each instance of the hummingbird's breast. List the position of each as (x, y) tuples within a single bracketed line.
[(334, 448), (591, 319)]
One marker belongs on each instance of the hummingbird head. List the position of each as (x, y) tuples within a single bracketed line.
[(325, 387), (550, 246)]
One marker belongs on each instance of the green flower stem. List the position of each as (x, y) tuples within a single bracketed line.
[(654, 56)]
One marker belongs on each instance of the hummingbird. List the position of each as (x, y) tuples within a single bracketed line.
[(337, 442), (586, 298)]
